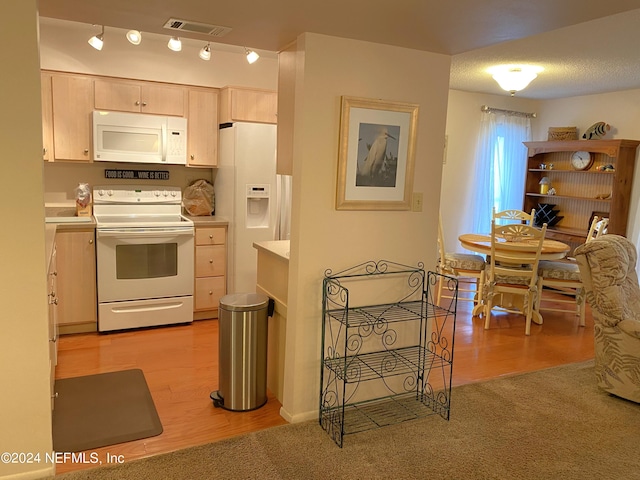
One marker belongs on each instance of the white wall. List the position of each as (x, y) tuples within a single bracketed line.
[(25, 402), (322, 237)]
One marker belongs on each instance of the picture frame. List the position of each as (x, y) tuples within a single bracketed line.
[(376, 154)]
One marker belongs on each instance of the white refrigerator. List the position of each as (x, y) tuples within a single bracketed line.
[(245, 193)]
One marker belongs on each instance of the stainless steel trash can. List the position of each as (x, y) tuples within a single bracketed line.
[(242, 367)]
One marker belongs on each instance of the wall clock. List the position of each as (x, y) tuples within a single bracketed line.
[(581, 160)]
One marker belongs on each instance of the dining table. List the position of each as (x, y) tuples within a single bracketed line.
[(481, 243)]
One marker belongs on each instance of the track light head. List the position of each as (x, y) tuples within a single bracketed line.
[(97, 41), (134, 37), (252, 56), (175, 44), (205, 52)]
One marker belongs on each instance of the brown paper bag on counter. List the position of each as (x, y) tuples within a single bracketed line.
[(198, 198)]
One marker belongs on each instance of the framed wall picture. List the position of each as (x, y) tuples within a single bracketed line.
[(376, 155)]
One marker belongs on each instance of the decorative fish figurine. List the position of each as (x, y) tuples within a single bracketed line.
[(597, 130)]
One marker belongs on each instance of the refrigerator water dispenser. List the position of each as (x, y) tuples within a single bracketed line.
[(258, 206)]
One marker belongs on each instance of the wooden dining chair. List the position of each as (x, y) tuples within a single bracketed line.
[(563, 276), (467, 268), (514, 216), (513, 270)]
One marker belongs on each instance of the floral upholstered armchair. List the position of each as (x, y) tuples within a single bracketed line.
[(608, 270)]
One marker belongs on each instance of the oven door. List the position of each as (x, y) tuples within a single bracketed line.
[(144, 263)]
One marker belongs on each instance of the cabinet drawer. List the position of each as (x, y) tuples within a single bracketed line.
[(211, 235), (210, 260), (208, 292)]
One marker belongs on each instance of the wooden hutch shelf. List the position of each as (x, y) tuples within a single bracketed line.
[(578, 192)]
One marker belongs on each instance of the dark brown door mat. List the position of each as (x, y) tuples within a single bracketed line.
[(104, 409)]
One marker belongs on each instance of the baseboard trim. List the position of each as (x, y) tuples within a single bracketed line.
[(298, 417), (32, 474)]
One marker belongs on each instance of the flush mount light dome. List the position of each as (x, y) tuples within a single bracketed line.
[(205, 52), (251, 55), (175, 44), (514, 78), (97, 41), (134, 37)]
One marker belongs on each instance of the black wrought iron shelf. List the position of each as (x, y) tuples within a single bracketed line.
[(368, 366), (381, 412), (388, 362)]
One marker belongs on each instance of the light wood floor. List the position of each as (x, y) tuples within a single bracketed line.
[(181, 368)]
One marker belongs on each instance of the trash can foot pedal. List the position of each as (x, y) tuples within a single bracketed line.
[(218, 401)]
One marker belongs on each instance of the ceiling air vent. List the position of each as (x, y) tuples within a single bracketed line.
[(195, 27)]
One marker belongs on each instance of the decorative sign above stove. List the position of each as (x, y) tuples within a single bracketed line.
[(137, 174)]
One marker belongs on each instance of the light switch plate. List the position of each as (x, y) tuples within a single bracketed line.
[(416, 204)]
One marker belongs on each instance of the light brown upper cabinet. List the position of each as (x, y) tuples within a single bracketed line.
[(202, 124), (139, 97), (47, 117), (240, 104), (72, 104)]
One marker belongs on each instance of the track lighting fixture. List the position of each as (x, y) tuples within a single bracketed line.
[(97, 40), (205, 52), (175, 44), (252, 56), (134, 37)]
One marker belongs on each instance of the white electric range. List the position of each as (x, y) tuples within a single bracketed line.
[(145, 257)]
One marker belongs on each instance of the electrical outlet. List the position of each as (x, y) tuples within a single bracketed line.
[(416, 204)]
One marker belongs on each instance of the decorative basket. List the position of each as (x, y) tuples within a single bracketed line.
[(563, 133)]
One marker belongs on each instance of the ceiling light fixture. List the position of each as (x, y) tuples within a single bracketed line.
[(175, 44), (514, 78), (134, 37), (251, 55), (97, 40), (205, 52)]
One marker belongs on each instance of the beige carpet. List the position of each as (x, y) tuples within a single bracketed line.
[(99, 410), (552, 424)]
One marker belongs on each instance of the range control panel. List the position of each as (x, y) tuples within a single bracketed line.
[(136, 194)]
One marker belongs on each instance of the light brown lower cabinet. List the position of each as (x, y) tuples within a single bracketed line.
[(210, 270), (76, 279), (52, 294)]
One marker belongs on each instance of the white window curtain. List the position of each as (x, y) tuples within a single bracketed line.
[(500, 166)]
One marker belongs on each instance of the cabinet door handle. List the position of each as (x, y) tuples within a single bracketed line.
[(210, 292), (137, 103), (91, 241), (86, 151), (211, 260), (44, 151), (193, 157), (144, 104), (211, 236)]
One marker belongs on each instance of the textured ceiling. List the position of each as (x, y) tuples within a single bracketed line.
[(585, 46)]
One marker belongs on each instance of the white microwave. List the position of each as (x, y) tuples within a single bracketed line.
[(140, 138)]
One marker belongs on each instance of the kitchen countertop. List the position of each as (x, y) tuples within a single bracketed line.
[(207, 220), (65, 219), (279, 248)]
